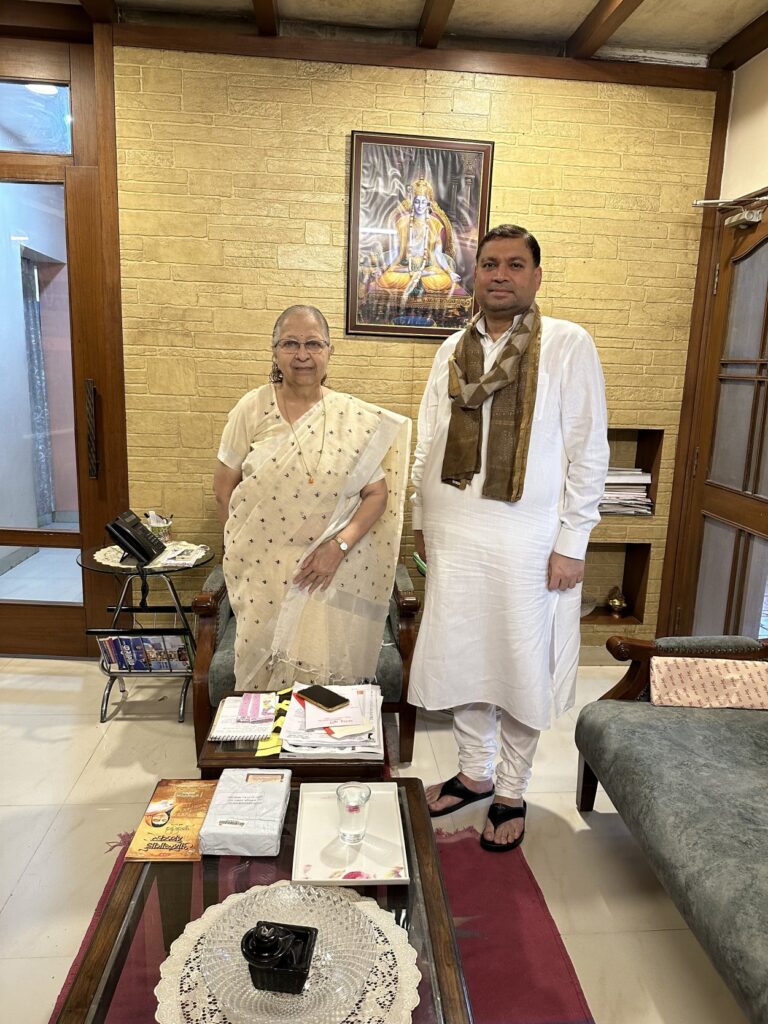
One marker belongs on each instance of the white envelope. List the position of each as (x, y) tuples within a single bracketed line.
[(246, 815)]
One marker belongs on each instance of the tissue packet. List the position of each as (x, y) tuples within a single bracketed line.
[(245, 818)]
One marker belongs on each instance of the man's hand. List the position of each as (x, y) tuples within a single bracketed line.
[(564, 573), (418, 543)]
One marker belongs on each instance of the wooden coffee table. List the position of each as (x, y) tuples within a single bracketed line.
[(151, 904), (216, 756)]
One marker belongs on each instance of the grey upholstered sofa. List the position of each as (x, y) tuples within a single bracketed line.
[(214, 674), (692, 786)]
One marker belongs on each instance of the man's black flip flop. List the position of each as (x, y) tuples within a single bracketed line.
[(497, 815), (455, 787)]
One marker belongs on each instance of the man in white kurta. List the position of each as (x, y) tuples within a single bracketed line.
[(501, 617)]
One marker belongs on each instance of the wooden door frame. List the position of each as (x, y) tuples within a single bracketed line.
[(680, 571), (89, 176)]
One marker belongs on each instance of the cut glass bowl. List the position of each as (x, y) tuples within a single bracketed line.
[(344, 954)]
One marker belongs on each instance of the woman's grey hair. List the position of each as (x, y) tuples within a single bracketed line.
[(312, 311)]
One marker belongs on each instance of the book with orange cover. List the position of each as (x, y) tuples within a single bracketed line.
[(171, 824)]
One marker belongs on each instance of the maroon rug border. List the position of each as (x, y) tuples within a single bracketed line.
[(105, 894)]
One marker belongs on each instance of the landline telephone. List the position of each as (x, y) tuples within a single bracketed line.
[(134, 537)]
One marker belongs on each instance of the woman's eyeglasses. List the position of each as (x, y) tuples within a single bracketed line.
[(290, 345)]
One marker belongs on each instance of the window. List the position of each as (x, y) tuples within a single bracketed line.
[(35, 118)]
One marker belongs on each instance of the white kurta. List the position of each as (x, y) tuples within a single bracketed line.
[(491, 631)]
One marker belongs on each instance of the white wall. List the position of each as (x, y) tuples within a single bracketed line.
[(746, 148), (31, 216)]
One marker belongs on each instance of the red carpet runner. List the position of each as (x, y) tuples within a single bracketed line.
[(515, 963), (517, 969)]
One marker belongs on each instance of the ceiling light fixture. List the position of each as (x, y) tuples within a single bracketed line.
[(41, 89)]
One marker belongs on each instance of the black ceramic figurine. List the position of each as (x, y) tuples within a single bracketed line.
[(279, 955)]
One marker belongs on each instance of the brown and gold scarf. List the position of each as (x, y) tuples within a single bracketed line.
[(512, 382)]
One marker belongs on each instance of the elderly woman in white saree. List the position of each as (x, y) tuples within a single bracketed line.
[(310, 484)]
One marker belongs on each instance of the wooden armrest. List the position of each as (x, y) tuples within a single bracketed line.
[(206, 606), (639, 653), (624, 648)]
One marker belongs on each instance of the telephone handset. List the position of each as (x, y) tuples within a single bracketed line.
[(134, 537)]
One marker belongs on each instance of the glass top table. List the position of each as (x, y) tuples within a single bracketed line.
[(150, 905)]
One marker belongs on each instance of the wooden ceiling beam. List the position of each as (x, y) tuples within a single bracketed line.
[(489, 62), (434, 18), (23, 20), (266, 16), (603, 21), (99, 10), (743, 46)]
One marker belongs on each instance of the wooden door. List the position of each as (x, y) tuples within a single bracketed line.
[(64, 462), (720, 586)]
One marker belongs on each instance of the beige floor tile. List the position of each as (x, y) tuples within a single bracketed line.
[(52, 687), (42, 756), (23, 829), (593, 681), (29, 987), (133, 755), (661, 977), (52, 904), (423, 765), (593, 874)]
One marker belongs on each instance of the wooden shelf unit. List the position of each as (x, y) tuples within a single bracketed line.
[(640, 447), (627, 561), (633, 582)]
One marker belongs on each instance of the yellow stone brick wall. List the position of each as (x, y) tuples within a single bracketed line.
[(233, 192)]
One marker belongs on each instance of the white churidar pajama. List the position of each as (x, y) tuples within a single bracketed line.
[(474, 727), (491, 631)]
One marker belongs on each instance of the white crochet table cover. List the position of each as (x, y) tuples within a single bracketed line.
[(113, 554), (390, 995)]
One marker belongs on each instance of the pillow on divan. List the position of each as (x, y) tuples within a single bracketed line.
[(709, 683)]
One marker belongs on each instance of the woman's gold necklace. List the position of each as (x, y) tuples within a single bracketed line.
[(310, 475)]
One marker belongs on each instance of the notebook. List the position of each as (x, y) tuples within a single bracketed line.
[(227, 727)]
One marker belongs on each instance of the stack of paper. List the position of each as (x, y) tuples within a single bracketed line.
[(353, 731), (179, 554), (626, 493)]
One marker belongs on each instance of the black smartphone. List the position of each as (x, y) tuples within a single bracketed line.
[(323, 698)]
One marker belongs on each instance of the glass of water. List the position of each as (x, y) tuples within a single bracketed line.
[(352, 801)]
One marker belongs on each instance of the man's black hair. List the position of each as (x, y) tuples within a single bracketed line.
[(512, 231)]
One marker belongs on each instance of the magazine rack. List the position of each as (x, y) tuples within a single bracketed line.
[(129, 571)]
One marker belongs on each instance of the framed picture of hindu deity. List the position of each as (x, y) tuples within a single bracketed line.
[(418, 207)]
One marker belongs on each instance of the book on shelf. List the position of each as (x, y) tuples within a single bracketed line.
[(143, 653), (170, 826)]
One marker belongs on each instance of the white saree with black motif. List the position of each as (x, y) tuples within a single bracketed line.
[(277, 517)]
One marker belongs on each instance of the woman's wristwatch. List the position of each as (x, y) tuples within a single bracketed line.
[(342, 544)]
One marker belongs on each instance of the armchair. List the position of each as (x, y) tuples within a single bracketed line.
[(214, 672)]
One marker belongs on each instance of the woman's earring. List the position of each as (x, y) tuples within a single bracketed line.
[(275, 374)]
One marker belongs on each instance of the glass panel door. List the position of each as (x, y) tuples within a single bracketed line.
[(724, 566), (37, 456)]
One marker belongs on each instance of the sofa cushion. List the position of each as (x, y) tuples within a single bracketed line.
[(221, 675), (699, 644), (214, 583), (692, 786)]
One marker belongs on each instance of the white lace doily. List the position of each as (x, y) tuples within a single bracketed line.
[(390, 995), (176, 548)]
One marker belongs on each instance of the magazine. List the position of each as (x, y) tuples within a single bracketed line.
[(142, 653), (171, 824)]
